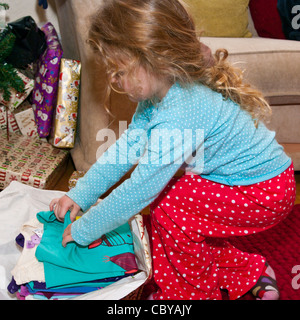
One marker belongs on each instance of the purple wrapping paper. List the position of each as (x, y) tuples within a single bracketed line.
[(46, 82)]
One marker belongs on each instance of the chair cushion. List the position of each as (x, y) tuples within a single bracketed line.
[(266, 18), (271, 65), (226, 18)]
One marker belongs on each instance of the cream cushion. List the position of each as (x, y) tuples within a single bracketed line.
[(271, 66)]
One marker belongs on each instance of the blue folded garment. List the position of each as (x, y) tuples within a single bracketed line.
[(111, 256)]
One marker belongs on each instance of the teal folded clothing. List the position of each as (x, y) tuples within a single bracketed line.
[(110, 256)]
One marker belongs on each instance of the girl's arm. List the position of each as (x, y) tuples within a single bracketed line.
[(105, 172), (146, 182)]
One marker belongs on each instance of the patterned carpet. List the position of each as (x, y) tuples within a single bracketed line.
[(281, 247)]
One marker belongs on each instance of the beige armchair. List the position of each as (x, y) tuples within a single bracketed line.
[(270, 65)]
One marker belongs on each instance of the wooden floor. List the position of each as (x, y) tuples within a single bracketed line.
[(62, 184)]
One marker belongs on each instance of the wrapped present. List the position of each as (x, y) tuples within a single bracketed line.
[(6, 115), (3, 117), (12, 123), (46, 82), (30, 161), (24, 116), (17, 98), (74, 178), (64, 128)]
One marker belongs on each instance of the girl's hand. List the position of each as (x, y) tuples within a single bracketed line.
[(60, 206), (67, 237)]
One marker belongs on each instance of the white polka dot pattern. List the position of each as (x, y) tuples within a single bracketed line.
[(235, 153)]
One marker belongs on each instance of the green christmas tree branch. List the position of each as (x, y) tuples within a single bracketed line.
[(8, 74), (4, 5), (9, 79)]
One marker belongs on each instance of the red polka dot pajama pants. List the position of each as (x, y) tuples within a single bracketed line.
[(190, 221)]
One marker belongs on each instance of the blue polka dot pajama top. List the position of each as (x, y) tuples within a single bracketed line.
[(192, 127)]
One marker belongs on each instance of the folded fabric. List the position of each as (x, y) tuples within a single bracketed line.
[(38, 290), (111, 256), (28, 268), (35, 286), (23, 294), (13, 287), (71, 290)]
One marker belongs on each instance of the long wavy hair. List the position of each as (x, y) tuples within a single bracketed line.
[(160, 35)]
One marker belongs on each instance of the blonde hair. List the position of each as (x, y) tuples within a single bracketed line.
[(160, 35)]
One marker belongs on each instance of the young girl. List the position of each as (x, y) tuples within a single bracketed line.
[(192, 113)]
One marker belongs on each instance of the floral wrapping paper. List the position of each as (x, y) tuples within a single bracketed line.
[(30, 161), (64, 127), (46, 82)]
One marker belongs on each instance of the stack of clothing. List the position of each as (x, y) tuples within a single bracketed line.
[(47, 270)]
